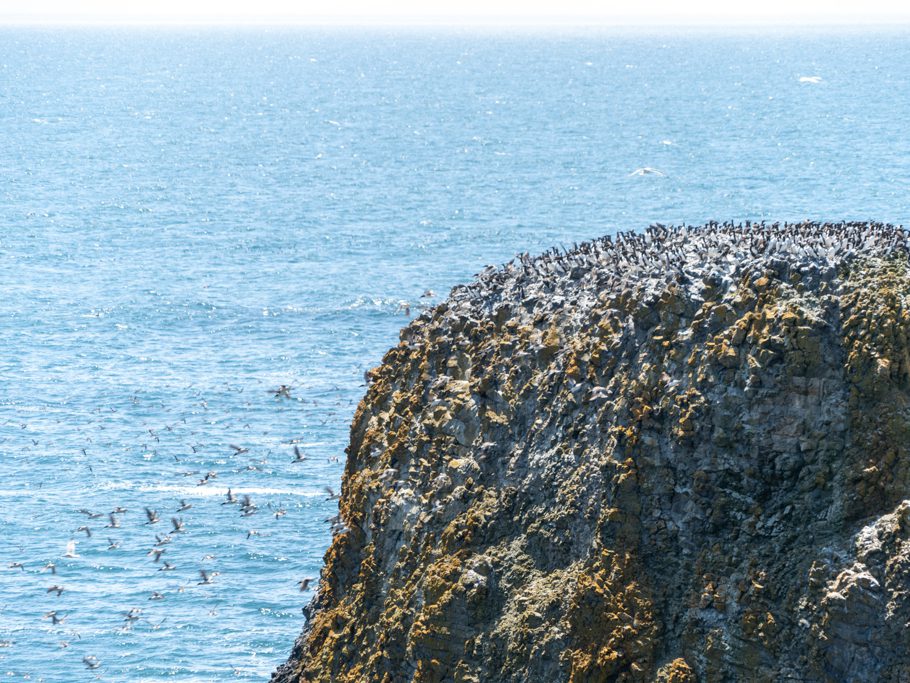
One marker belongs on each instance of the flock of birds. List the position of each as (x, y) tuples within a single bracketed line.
[(685, 252), (164, 530), (610, 262)]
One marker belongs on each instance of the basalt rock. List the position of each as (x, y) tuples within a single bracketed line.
[(675, 456)]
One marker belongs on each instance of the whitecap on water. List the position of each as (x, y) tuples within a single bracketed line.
[(207, 492), (647, 170)]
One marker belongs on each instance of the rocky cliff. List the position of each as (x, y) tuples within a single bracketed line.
[(680, 455)]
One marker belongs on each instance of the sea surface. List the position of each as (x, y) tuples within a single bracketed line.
[(191, 218)]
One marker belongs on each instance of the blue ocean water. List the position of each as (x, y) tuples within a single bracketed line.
[(191, 218)]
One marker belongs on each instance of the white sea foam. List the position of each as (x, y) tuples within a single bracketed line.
[(191, 490), (647, 170)]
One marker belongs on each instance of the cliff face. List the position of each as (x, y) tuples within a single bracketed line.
[(678, 456)]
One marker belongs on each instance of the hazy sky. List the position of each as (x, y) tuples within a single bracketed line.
[(514, 12)]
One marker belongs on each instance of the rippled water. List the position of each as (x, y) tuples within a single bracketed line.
[(192, 218)]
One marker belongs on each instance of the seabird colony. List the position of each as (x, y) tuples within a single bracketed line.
[(688, 255)]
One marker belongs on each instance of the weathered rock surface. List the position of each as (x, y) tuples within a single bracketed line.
[(678, 456)]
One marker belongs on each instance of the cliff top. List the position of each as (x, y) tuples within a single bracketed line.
[(672, 456)]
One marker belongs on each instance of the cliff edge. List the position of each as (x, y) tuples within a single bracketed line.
[(681, 455)]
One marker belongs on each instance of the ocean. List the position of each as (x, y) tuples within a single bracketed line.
[(192, 218)]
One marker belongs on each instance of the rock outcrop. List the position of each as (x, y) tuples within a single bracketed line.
[(674, 456)]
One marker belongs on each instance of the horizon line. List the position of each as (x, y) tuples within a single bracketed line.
[(895, 21)]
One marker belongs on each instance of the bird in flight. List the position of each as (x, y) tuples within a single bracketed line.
[(206, 577)]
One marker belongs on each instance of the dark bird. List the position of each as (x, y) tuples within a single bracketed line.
[(88, 532), (91, 662), (114, 523), (55, 617), (152, 516), (284, 391), (206, 577), (178, 525), (304, 584), (331, 492), (298, 455), (230, 498), (184, 506), (247, 507), (238, 449), (56, 589)]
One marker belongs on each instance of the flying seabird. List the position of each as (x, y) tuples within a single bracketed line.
[(247, 507), (206, 577), (284, 391), (55, 617)]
